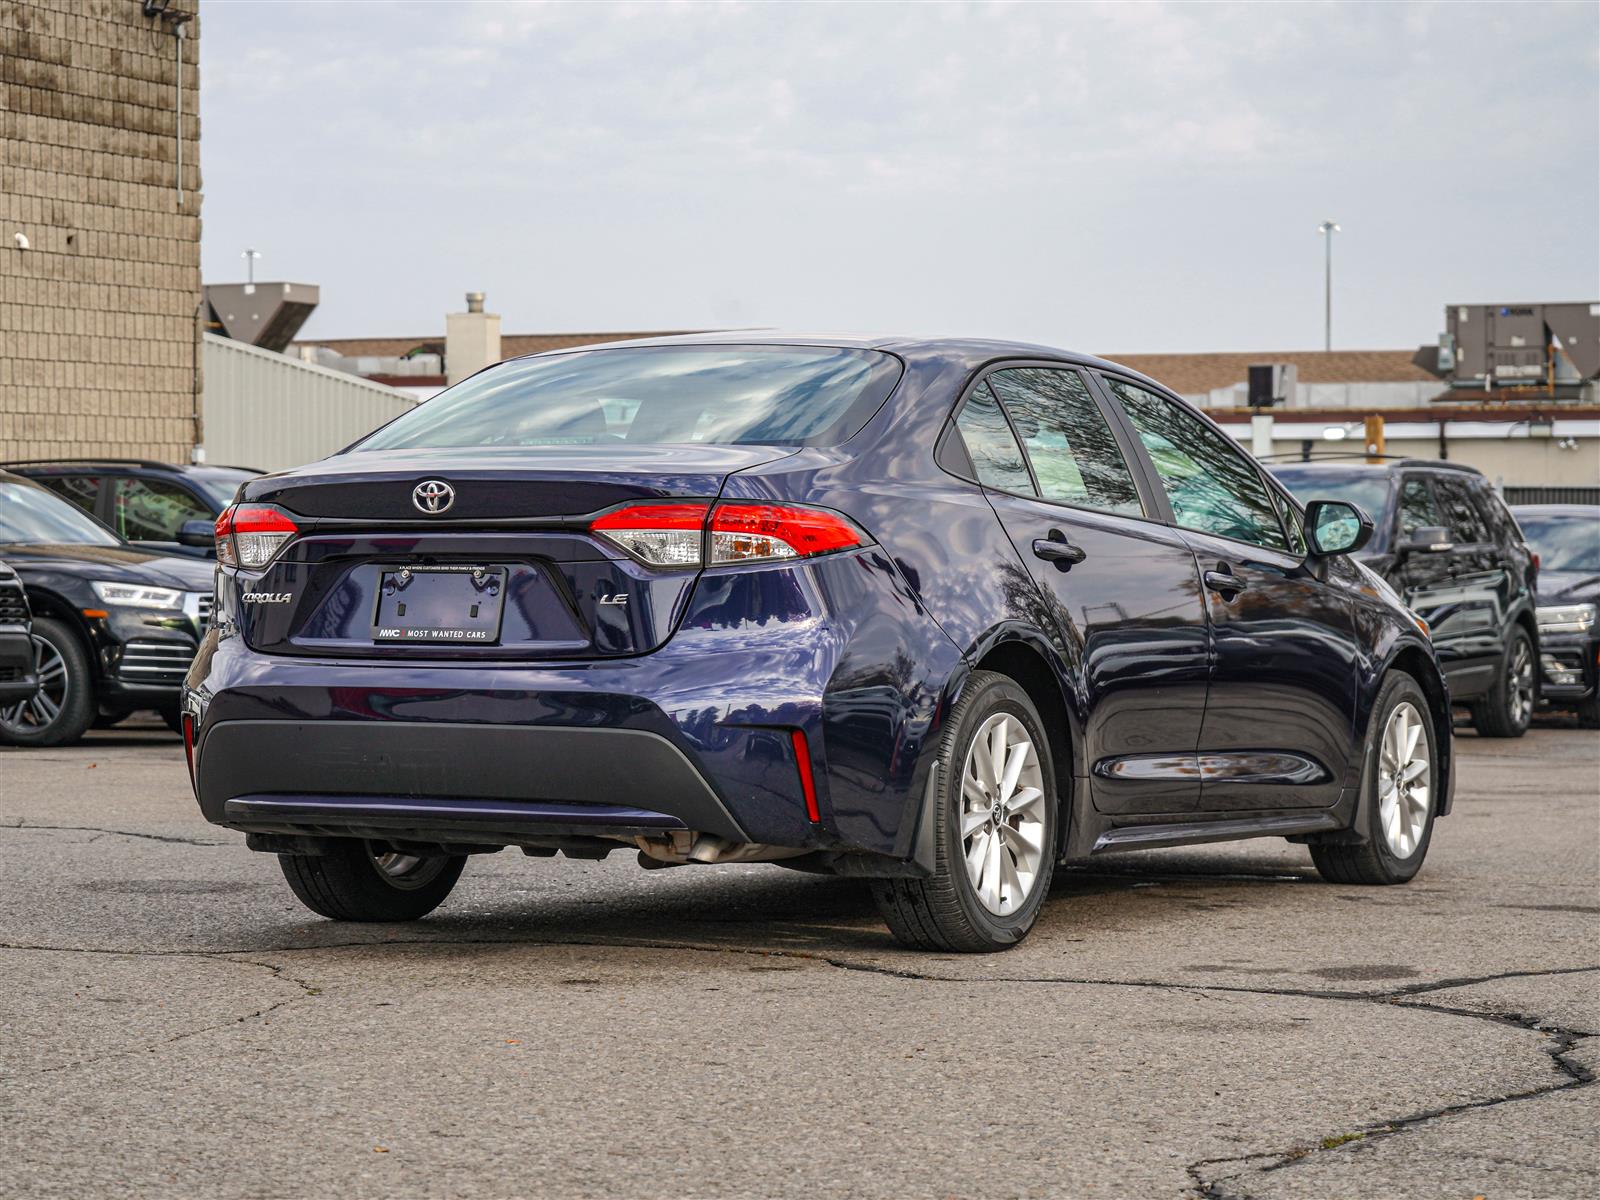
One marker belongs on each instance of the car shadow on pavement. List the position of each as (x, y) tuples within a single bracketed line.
[(764, 908)]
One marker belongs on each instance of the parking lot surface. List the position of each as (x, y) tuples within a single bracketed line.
[(1210, 1021)]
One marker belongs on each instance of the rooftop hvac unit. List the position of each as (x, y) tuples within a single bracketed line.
[(263, 314), (1271, 384), (1547, 347)]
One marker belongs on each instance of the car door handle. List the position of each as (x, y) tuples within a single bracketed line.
[(1059, 551), (1224, 581)]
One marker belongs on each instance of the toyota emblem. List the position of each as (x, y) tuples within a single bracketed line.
[(433, 496)]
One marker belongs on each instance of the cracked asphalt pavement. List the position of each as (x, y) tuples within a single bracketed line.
[(1210, 1022)]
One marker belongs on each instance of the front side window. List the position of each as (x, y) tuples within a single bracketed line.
[(1074, 454), (1292, 524), (1212, 486), (655, 395), (1461, 516), (1418, 509), (152, 510), (995, 455)]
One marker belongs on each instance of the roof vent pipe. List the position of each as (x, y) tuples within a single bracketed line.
[(474, 302)]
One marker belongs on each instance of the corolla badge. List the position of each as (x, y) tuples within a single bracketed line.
[(433, 496)]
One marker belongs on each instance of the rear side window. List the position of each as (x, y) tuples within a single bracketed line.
[(1074, 454), (1418, 509), (1461, 515), (82, 490), (1496, 515), (770, 395), (1212, 486), (995, 455)]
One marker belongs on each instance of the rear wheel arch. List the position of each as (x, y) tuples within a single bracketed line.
[(1025, 664)]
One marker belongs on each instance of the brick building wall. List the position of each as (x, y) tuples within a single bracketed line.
[(98, 330)]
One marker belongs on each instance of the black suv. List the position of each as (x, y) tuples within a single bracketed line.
[(114, 627), (156, 506), (1447, 543)]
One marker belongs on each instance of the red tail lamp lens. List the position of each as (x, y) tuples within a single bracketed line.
[(662, 535), (673, 535), (250, 535), (746, 532)]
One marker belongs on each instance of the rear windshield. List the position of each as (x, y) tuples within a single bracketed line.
[(1369, 490), (784, 395)]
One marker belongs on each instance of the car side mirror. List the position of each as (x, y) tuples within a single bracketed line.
[(1336, 527), (196, 533), (1428, 539)]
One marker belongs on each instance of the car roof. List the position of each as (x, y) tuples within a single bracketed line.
[(974, 351), (1354, 464)]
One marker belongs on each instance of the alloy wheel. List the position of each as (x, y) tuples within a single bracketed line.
[(1405, 777), (1521, 683), (1002, 814), (37, 712)]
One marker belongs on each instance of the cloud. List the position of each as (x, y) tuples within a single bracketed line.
[(642, 163)]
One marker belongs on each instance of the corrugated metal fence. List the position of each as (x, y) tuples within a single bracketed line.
[(267, 411), (1552, 495)]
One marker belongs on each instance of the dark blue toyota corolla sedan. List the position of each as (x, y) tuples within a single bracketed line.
[(937, 613)]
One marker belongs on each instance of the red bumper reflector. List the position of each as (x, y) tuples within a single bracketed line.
[(802, 759), (188, 746)]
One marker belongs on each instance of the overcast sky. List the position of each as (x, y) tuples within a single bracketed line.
[(1132, 177)]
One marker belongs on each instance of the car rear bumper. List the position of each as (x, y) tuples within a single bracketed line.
[(489, 781), (698, 736)]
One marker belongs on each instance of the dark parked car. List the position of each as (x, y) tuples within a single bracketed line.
[(935, 613), (1566, 538), (19, 679), (1446, 542), (114, 628), (152, 505)]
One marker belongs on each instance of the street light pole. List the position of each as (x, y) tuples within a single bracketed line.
[(1327, 229)]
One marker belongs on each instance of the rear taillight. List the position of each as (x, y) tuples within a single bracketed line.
[(757, 532), (676, 535), (250, 535), (663, 535)]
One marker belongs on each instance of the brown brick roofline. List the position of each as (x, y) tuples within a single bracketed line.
[(1192, 374)]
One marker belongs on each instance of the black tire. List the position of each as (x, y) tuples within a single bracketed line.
[(349, 885), (172, 718), (944, 911), (1506, 710), (65, 706), (1374, 862)]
